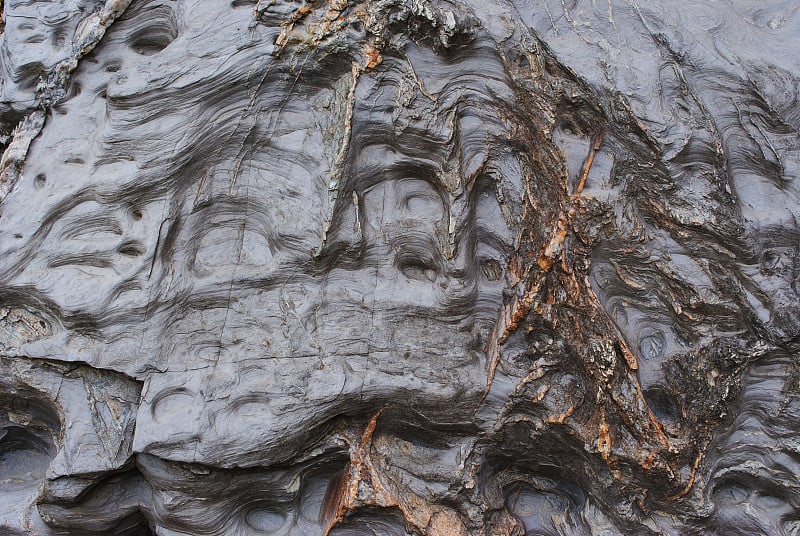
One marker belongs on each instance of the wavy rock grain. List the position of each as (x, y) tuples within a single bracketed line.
[(399, 267)]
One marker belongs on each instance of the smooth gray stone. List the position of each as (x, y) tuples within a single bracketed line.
[(399, 267)]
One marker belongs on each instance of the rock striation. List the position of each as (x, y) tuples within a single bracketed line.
[(399, 267)]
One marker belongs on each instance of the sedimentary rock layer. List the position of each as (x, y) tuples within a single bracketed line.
[(399, 267)]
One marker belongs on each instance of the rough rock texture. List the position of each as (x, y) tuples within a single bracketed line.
[(400, 267)]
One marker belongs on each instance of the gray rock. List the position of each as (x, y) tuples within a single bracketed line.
[(399, 267)]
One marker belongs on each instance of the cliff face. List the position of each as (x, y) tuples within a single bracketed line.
[(399, 267)]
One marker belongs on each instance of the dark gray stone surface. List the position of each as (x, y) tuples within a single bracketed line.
[(399, 267)]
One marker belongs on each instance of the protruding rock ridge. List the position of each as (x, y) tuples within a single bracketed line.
[(399, 267)]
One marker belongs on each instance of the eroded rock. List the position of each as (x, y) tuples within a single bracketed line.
[(394, 267)]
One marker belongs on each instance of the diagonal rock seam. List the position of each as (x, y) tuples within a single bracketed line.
[(51, 91)]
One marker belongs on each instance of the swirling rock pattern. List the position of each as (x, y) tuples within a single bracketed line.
[(399, 267)]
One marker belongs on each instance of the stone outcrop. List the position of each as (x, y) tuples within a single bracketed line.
[(399, 267)]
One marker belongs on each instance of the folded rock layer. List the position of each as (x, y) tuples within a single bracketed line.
[(409, 267)]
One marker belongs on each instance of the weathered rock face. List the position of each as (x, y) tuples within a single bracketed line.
[(399, 267)]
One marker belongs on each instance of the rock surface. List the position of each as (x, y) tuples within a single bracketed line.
[(399, 267)]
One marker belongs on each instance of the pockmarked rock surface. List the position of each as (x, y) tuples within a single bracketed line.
[(399, 267)]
